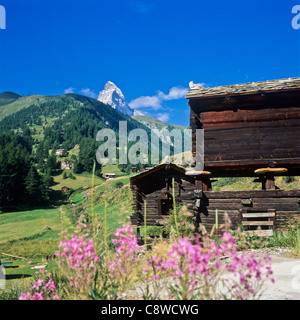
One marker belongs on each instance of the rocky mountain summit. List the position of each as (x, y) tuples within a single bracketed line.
[(114, 97)]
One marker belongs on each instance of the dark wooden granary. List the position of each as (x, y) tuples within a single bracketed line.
[(154, 187), (250, 130), (248, 126)]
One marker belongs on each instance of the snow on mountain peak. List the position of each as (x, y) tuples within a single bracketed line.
[(114, 97), (111, 86)]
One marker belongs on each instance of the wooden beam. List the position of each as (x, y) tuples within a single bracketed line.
[(9, 255)]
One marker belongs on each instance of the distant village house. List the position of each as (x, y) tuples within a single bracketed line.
[(110, 176), (133, 170), (67, 165), (64, 189), (61, 152)]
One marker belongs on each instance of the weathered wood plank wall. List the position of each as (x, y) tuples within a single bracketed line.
[(241, 135)]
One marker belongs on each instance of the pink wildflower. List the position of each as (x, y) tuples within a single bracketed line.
[(126, 256), (189, 263)]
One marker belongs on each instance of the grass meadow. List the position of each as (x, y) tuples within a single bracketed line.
[(35, 234)]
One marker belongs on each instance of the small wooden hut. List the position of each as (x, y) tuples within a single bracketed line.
[(110, 176), (64, 189), (154, 187)]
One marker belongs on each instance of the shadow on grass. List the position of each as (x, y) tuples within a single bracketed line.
[(57, 172), (56, 198), (17, 276)]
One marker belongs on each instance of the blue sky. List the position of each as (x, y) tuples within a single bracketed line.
[(150, 49)]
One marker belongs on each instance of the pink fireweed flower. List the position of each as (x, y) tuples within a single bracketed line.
[(41, 290), (126, 253), (25, 296), (37, 284), (78, 260), (37, 296), (50, 285), (194, 268)]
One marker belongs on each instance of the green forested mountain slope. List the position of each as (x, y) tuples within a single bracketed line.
[(8, 97), (66, 119), (154, 123)]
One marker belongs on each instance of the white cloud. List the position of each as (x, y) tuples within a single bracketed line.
[(174, 93), (155, 102), (146, 102), (202, 84), (163, 117), (88, 92), (69, 90)]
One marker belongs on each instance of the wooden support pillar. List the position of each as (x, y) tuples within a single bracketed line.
[(138, 233), (179, 189), (268, 176), (270, 181), (207, 184), (198, 183), (202, 180), (263, 183), (167, 184), (202, 183)]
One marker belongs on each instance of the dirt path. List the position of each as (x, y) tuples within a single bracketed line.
[(287, 279), (286, 273)]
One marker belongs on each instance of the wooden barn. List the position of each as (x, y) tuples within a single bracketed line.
[(250, 130), (154, 186)]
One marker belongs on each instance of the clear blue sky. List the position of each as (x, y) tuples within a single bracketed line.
[(145, 47)]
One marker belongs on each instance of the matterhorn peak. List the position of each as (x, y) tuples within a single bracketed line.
[(114, 97), (110, 85)]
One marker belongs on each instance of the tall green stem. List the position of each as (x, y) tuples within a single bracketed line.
[(298, 240), (174, 206), (105, 235), (217, 222), (92, 206), (145, 227)]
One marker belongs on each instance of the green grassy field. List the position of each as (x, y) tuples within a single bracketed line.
[(240, 184), (18, 104), (8, 97), (81, 180), (34, 234), (118, 200), (26, 224)]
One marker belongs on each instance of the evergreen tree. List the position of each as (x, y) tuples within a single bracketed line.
[(41, 163), (51, 163), (71, 176), (19, 181), (48, 179), (87, 155), (78, 168), (33, 186)]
